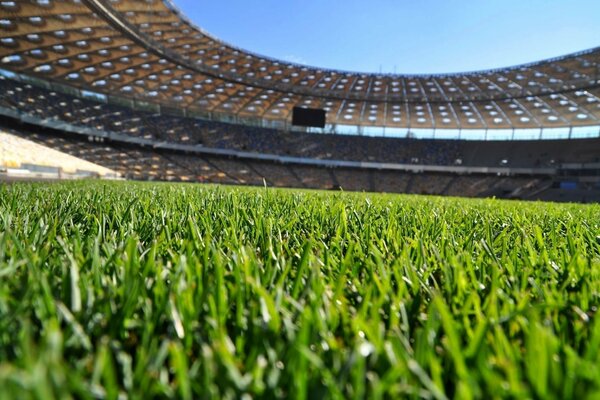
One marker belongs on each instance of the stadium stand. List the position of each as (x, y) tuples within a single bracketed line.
[(22, 158), (83, 112), (153, 53), (111, 86), (138, 163)]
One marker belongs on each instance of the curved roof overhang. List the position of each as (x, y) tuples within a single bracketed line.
[(146, 49)]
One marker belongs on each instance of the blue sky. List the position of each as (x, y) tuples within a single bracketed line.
[(404, 36)]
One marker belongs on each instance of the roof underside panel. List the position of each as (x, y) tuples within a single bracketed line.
[(147, 50)]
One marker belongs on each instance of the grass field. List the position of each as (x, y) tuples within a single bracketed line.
[(183, 291)]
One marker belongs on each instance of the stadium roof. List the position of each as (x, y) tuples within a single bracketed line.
[(146, 49)]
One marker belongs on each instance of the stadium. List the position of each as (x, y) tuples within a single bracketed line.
[(116, 289)]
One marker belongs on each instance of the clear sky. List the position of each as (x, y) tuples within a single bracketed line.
[(404, 36)]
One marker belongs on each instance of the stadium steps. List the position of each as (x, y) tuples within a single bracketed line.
[(223, 173), (193, 172), (539, 189), (372, 186), (521, 191), (410, 184), (239, 170), (295, 175), (270, 174), (336, 184), (262, 174), (449, 185), (494, 189)]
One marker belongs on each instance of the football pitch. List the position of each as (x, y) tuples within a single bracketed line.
[(147, 290)]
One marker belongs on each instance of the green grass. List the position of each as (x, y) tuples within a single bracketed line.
[(180, 291)]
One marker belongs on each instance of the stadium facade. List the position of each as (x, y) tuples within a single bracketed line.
[(109, 79)]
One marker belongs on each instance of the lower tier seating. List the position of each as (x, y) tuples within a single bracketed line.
[(144, 163)]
